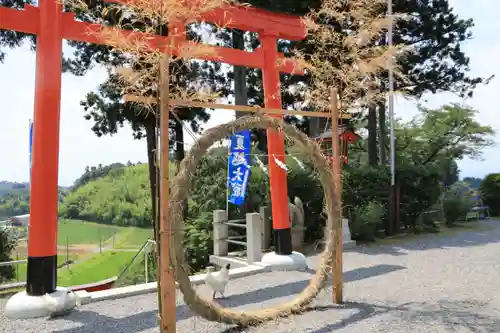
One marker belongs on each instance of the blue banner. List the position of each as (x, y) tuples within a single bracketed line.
[(238, 167)]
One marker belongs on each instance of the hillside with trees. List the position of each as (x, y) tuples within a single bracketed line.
[(121, 197), (17, 201), (14, 199)]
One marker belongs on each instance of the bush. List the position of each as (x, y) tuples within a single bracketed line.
[(304, 183), (198, 241), (457, 202), (363, 185), (7, 244), (420, 188), (452, 208), (364, 220), (490, 193)]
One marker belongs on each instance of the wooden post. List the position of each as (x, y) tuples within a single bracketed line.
[(166, 286), (337, 270)]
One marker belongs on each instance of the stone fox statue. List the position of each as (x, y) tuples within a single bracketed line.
[(296, 211)]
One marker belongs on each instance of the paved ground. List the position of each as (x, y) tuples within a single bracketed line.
[(436, 284)]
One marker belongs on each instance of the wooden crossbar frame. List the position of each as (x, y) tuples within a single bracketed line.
[(230, 107)]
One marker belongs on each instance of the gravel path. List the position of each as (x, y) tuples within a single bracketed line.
[(435, 284)]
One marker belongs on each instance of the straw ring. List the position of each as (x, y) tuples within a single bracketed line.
[(180, 188)]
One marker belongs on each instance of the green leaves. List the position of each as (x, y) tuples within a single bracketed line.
[(7, 244), (365, 219), (490, 192), (457, 202), (450, 132), (434, 33)]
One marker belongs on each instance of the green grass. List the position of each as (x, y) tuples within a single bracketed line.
[(21, 269), (93, 267), (81, 232), (132, 238), (97, 268)]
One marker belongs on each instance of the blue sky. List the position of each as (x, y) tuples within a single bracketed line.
[(79, 146)]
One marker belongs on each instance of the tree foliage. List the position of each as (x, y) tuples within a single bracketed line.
[(435, 34), (450, 132), (458, 200), (436, 62), (17, 202), (122, 198), (490, 192), (93, 173), (7, 244), (13, 204)]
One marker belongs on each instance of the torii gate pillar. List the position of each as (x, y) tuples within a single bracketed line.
[(42, 245), (283, 258)]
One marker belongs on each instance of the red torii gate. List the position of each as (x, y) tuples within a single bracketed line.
[(51, 25)]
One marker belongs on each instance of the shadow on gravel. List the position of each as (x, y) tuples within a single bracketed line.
[(365, 311), (95, 323), (463, 236), (454, 315), (463, 316), (268, 293)]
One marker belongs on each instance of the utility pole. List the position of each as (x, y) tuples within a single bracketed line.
[(393, 209)]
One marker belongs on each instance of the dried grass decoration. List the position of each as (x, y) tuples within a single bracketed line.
[(180, 188)]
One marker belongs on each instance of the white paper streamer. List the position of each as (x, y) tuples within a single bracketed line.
[(279, 163), (299, 163), (261, 164)]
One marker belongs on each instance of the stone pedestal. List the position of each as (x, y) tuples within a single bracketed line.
[(298, 237), (347, 242), (292, 262), (24, 306)]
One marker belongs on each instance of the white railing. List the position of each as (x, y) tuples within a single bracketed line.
[(252, 240), (146, 248), (6, 224), (14, 262), (17, 284)]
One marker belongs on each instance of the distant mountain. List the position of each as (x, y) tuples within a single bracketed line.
[(20, 189), (13, 187), (473, 181)]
